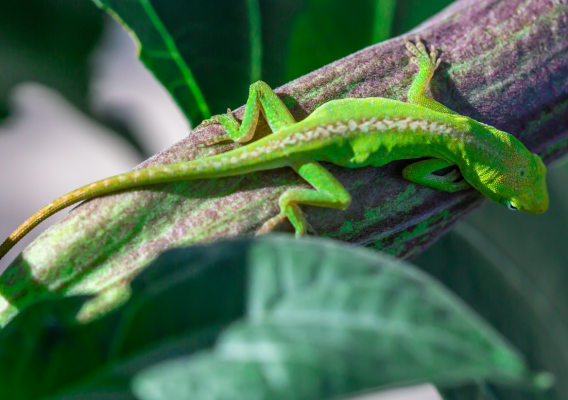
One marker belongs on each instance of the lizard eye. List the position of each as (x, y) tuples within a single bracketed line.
[(510, 205)]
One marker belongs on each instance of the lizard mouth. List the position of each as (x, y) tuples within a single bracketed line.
[(534, 209)]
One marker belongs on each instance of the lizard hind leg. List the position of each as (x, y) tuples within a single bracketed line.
[(329, 193)]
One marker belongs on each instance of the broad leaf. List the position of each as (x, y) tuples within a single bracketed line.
[(179, 294), (207, 53), (324, 31), (39, 346), (325, 321), (161, 53), (274, 317)]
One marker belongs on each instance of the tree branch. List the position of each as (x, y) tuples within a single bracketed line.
[(504, 63)]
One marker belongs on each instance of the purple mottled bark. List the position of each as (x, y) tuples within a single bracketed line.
[(504, 63)]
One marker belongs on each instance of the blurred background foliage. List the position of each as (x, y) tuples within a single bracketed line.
[(49, 42), (510, 267)]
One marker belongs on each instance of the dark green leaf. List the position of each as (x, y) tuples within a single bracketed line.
[(410, 13), (326, 320), (309, 319), (207, 53), (37, 347), (185, 289), (325, 31), (166, 34), (180, 292)]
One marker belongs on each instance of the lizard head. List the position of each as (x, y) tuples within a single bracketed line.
[(514, 177), (526, 187)]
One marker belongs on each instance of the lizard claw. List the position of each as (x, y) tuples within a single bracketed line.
[(419, 54), (216, 119), (420, 45), (204, 123), (228, 121), (270, 224)]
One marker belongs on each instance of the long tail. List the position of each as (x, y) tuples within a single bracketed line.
[(240, 161)]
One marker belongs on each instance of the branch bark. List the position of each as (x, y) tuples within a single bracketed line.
[(504, 63)]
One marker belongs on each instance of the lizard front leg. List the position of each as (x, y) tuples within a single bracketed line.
[(427, 64), (261, 98), (329, 192), (421, 172)]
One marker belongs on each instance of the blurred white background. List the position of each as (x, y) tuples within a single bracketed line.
[(48, 148)]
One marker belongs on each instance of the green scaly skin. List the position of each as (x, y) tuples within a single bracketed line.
[(351, 133)]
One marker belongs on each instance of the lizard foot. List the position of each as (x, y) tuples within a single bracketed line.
[(272, 222), (452, 175), (206, 122), (450, 181), (419, 55), (228, 121)]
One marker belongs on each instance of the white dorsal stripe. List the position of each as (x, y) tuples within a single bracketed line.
[(340, 129)]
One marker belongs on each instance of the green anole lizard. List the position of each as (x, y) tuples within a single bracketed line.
[(351, 133)]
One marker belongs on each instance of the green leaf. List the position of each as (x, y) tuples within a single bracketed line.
[(207, 53), (325, 320), (325, 31), (178, 293), (511, 267), (410, 13), (158, 49), (273, 318), (38, 346)]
